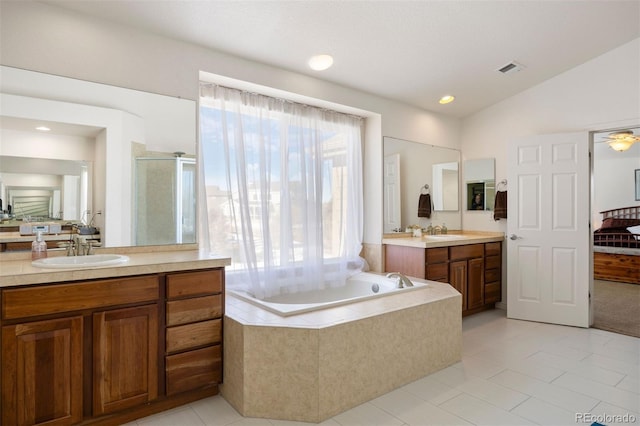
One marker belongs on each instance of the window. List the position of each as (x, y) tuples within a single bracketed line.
[(284, 190)]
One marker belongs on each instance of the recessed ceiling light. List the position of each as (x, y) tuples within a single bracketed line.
[(320, 62), (43, 128), (446, 99)]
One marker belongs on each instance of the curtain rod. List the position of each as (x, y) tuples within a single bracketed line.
[(206, 83)]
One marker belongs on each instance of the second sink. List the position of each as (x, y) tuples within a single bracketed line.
[(90, 261), (443, 237)]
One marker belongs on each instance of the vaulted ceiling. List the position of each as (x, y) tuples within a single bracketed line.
[(410, 51)]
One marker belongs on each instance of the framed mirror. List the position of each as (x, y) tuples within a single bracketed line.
[(411, 169), (105, 128), (479, 179)]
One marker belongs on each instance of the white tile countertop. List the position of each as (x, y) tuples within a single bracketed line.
[(457, 238), (18, 270)]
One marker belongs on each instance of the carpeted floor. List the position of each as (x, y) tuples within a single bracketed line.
[(617, 307)]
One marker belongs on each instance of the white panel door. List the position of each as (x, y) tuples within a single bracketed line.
[(549, 264), (392, 200), (71, 199)]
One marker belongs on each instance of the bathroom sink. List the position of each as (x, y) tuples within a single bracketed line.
[(89, 261), (444, 237)]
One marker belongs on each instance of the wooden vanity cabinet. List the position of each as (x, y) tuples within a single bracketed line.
[(42, 372), (48, 348), (466, 274), (437, 264), (493, 272), (125, 358), (409, 261), (195, 306), (109, 350), (472, 269)]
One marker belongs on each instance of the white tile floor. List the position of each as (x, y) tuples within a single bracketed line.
[(512, 373)]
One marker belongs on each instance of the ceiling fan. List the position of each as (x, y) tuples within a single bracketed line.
[(621, 140)]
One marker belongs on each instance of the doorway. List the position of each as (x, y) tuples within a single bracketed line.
[(616, 288)]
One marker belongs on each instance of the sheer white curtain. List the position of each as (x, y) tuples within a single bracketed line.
[(284, 190)]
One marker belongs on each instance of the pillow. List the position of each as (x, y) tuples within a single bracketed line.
[(635, 230)]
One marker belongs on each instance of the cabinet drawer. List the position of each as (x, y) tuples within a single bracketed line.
[(194, 284), (491, 275), (466, 251), (193, 335), (492, 249), (492, 292), (193, 369), (196, 309), (52, 299), (437, 255), (437, 272), (493, 262)]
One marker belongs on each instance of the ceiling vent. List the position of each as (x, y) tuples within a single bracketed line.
[(511, 68)]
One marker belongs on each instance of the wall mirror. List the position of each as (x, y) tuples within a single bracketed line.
[(412, 168), (107, 150), (479, 179)]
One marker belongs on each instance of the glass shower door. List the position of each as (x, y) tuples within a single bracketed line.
[(165, 201), (186, 229)]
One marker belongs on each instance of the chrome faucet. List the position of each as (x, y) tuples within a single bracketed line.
[(436, 230), (79, 246), (71, 248), (402, 280)]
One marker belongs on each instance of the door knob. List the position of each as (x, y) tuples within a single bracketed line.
[(514, 237)]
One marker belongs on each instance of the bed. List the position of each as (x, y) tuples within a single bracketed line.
[(616, 246)]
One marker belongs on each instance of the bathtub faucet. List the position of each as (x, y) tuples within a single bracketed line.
[(402, 280)]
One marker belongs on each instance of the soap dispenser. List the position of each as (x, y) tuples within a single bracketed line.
[(429, 229), (38, 247), (444, 228)]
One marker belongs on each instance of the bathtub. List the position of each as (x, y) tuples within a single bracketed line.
[(311, 366), (359, 287)]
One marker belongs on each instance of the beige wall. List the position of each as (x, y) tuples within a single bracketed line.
[(46, 38), (600, 94)]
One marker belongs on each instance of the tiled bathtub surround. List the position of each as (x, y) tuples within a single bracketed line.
[(310, 367)]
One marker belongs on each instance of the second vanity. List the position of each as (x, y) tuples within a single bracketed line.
[(110, 344), (470, 261)]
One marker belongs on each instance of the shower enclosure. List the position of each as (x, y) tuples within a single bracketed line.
[(165, 200)]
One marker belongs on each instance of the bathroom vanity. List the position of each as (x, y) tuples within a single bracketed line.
[(110, 344), (470, 261), (12, 240)]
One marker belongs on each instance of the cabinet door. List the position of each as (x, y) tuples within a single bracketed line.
[(475, 283), (458, 279), (125, 358), (42, 372)]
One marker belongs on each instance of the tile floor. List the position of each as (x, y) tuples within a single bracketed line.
[(512, 373)]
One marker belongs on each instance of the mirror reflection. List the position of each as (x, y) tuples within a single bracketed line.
[(101, 129), (33, 189), (411, 169), (479, 178), (445, 186), (177, 223)]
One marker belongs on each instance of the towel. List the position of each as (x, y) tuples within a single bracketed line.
[(424, 205), (500, 207)]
